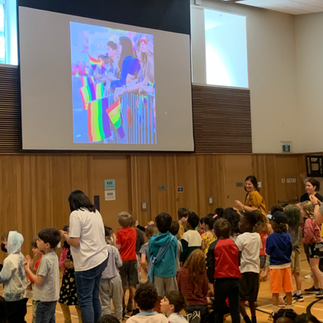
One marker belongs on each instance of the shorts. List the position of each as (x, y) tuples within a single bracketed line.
[(129, 273), (296, 262), (316, 250), (249, 286), (165, 284), (281, 278)]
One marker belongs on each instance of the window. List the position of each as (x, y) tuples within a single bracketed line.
[(8, 32)]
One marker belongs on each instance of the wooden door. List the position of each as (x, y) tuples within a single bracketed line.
[(236, 169), (111, 168)]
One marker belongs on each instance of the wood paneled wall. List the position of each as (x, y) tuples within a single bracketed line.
[(35, 187)]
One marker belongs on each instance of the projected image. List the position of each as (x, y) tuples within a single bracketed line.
[(113, 85), (226, 49)]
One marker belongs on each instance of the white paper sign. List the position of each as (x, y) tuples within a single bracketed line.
[(110, 195)]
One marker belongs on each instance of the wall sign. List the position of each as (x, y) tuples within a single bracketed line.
[(109, 184)]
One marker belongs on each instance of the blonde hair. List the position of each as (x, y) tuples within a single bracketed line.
[(125, 219), (308, 209)]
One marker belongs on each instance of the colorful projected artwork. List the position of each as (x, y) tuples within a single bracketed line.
[(113, 85)]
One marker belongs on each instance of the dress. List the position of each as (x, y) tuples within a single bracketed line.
[(68, 293)]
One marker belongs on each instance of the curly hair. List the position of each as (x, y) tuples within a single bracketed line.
[(146, 296), (261, 222), (293, 215), (308, 209), (195, 264)]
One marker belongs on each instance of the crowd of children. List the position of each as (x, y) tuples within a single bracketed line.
[(207, 267)]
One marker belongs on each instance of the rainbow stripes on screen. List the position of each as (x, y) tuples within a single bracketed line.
[(98, 120), (114, 112), (96, 61), (99, 90)]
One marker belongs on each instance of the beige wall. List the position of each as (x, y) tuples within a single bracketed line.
[(272, 72)]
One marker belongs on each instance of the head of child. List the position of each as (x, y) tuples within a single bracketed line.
[(192, 221), (3, 310), (247, 222), (222, 229), (48, 239), (218, 212), (261, 224), (278, 222), (37, 253), (307, 210), (275, 208), (151, 231), (146, 297), (173, 302), (233, 217), (202, 224), (125, 219), (208, 223), (108, 319), (163, 222), (183, 214), (4, 241), (174, 228), (107, 232), (293, 214), (285, 316), (195, 263)]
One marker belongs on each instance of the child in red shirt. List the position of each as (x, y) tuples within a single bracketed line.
[(126, 243)]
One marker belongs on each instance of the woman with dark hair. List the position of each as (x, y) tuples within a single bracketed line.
[(89, 250), (128, 66), (253, 200), (312, 186)]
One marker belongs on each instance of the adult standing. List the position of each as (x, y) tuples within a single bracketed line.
[(312, 186), (89, 250), (253, 200)]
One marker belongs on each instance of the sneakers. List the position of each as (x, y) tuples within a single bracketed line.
[(319, 294), (298, 298), (271, 316), (293, 300), (312, 290), (310, 275)]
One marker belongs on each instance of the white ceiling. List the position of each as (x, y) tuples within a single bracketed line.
[(294, 7)]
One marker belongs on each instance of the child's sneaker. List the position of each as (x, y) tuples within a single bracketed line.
[(271, 316), (298, 298), (319, 294), (312, 290), (308, 276), (293, 300)]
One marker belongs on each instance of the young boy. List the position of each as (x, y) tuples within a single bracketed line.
[(174, 230), (163, 271), (126, 243), (249, 244), (191, 239), (279, 247), (183, 214), (46, 279), (111, 283), (13, 277), (223, 271), (172, 304)]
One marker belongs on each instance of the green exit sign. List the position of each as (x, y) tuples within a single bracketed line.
[(286, 148)]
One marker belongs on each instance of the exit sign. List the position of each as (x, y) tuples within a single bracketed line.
[(286, 146)]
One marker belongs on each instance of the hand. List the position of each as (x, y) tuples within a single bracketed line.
[(70, 265), (63, 234), (314, 199), (239, 205), (150, 49), (119, 92), (66, 262)]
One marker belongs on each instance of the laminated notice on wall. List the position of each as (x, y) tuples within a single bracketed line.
[(110, 195)]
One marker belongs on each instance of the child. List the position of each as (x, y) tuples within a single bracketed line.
[(193, 283), (294, 229), (46, 279), (13, 277), (126, 243), (108, 319), (249, 244), (151, 230), (174, 230), (37, 253), (208, 236), (233, 217), (172, 304), (191, 239), (285, 316), (111, 283), (279, 247), (68, 294), (146, 297), (183, 214), (163, 250), (223, 271), (312, 237), (202, 226), (218, 213)]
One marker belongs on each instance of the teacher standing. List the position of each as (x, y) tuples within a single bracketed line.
[(89, 250), (253, 200)]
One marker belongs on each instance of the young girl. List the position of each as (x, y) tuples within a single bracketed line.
[(193, 283), (208, 236), (294, 229), (68, 295), (312, 237)]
